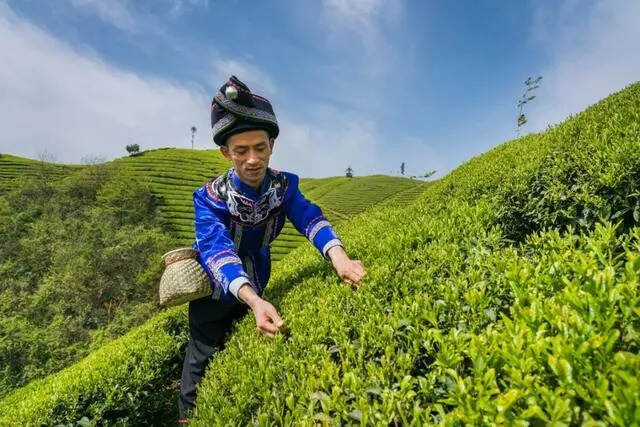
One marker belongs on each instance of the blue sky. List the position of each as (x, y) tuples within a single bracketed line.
[(366, 83)]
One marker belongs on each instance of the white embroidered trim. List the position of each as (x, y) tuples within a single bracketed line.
[(253, 274), (250, 211), (218, 264), (316, 228), (330, 244), (223, 122), (235, 285)]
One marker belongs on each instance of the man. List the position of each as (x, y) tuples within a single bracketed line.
[(237, 216)]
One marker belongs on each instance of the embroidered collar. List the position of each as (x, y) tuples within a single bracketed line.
[(247, 205), (247, 190)]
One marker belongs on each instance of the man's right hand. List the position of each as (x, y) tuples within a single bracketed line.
[(268, 321)]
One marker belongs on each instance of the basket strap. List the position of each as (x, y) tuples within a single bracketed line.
[(192, 254)]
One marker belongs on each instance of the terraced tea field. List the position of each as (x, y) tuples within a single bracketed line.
[(175, 173), (341, 198), (507, 293), (14, 167)]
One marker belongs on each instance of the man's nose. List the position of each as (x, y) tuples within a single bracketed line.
[(253, 157)]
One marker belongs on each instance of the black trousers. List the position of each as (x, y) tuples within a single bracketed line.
[(209, 322)]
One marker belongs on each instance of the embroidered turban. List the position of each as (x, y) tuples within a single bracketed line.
[(235, 109)]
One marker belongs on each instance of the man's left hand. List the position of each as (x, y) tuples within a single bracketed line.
[(351, 271)]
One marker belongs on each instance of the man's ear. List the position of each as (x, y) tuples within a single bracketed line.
[(225, 151), (272, 141)]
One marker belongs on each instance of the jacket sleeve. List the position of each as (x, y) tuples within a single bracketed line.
[(308, 219), (218, 254)]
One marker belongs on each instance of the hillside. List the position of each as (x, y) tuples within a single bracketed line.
[(508, 293), (342, 198), (41, 259), (78, 267), (14, 167), (175, 173)]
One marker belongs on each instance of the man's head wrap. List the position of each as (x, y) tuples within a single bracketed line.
[(235, 109)]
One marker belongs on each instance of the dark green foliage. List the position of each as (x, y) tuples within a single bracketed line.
[(349, 172), (591, 174), (128, 380), (133, 149), (78, 267), (455, 323)]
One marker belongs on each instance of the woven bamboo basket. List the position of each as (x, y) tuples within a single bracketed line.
[(183, 279)]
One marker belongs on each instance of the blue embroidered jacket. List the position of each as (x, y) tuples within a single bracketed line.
[(234, 225)]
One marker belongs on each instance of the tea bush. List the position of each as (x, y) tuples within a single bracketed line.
[(14, 169), (442, 347), (592, 173), (454, 323), (125, 380), (462, 319)]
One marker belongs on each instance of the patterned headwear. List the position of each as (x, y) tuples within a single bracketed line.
[(235, 109)]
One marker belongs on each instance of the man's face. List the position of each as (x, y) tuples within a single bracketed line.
[(250, 152)]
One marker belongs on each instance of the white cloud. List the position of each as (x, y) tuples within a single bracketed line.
[(75, 106), (325, 139), (593, 49), (115, 12), (137, 18), (324, 143), (179, 7), (322, 148), (362, 12), (330, 140), (369, 22)]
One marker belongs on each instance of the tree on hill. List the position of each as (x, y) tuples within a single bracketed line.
[(193, 132), (402, 169), (133, 149), (349, 172), (46, 169), (531, 85)]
